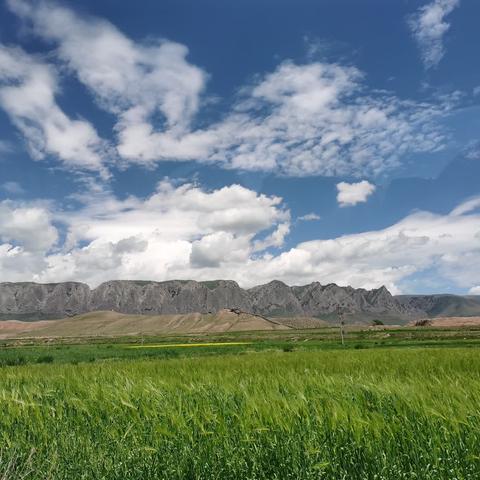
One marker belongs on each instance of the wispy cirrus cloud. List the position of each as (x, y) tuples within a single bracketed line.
[(309, 217), (28, 87), (148, 86), (6, 147), (12, 188), (429, 26), (316, 118), (320, 119)]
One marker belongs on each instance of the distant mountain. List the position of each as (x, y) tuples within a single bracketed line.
[(33, 301), (442, 305)]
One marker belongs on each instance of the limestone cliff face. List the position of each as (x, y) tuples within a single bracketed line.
[(168, 297), (32, 301), (275, 298)]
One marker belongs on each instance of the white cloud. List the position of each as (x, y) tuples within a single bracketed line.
[(175, 232), (29, 226), (211, 250), (27, 234), (135, 81), (448, 245), (428, 27), (13, 188), (185, 211), (309, 217), (317, 118), (275, 239), (320, 119), (187, 232), (468, 206), (350, 194), (27, 93), (474, 290)]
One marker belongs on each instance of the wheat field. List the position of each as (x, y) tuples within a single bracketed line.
[(357, 414)]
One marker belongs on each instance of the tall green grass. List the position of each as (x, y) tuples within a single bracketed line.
[(359, 414)]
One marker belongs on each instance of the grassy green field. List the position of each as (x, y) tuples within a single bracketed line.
[(75, 350), (256, 411)]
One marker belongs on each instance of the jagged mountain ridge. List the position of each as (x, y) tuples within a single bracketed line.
[(33, 301), (445, 305)]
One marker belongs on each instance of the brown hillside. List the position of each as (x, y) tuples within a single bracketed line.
[(108, 323)]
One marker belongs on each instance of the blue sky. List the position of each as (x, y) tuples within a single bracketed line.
[(331, 141)]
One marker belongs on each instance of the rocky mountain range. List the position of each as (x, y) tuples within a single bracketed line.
[(33, 301), (443, 305)]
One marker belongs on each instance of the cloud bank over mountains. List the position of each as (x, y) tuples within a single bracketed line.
[(186, 232)]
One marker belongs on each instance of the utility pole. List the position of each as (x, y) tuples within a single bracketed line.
[(341, 319)]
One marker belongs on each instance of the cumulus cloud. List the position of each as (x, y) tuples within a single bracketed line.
[(275, 239), (429, 27), (27, 234), (27, 93), (474, 290), (350, 194), (211, 250), (28, 226), (173, 233), (310, 119), (185, 232), (448, 245)]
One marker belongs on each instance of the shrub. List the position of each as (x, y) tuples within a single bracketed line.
[(424, 322), (45, 359), (12, 362)]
